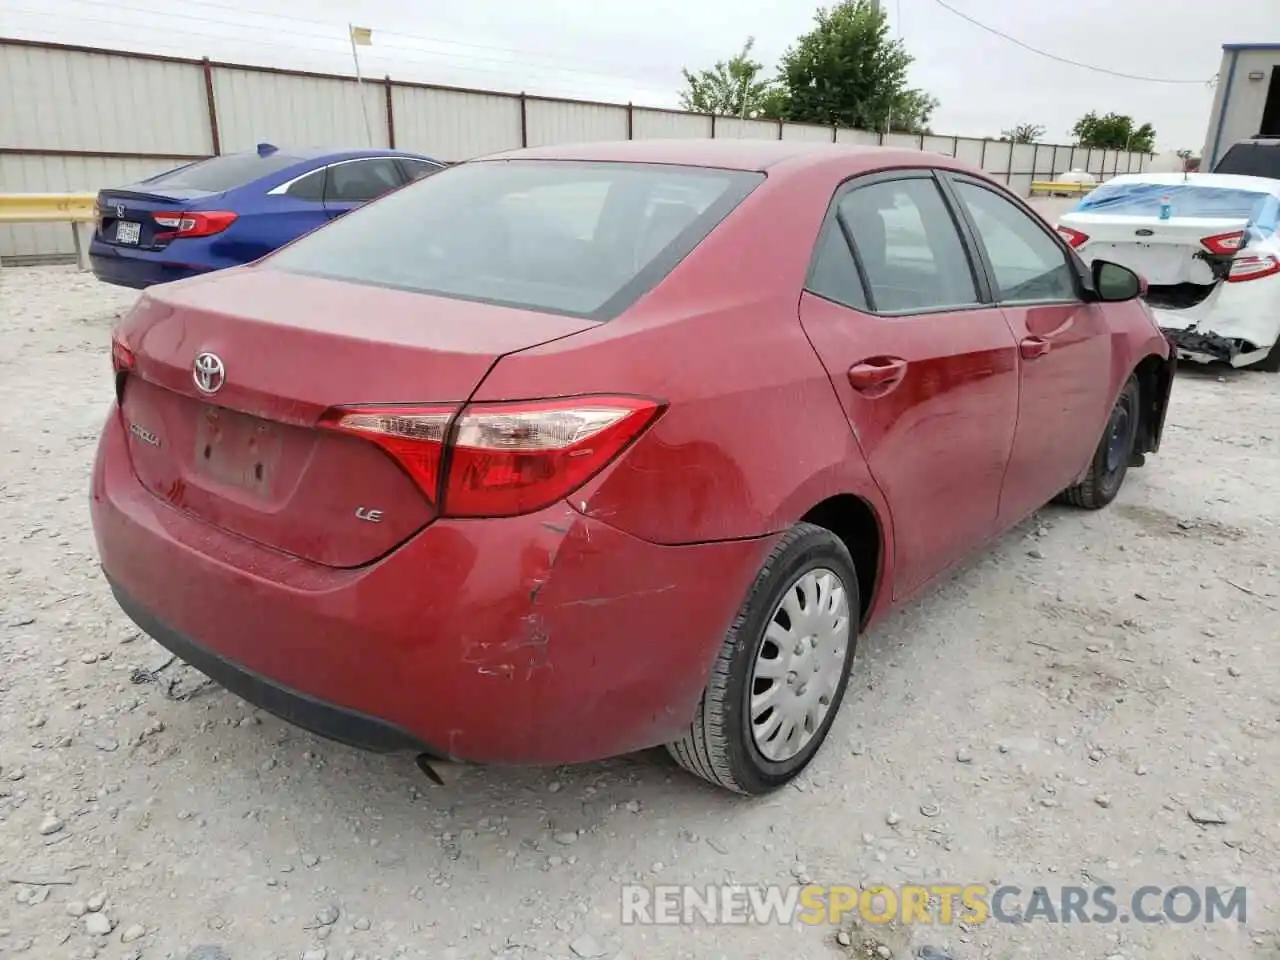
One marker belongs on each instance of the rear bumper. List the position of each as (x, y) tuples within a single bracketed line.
[(543, 639), (324, 719), (136, 268), (1204, 347), (1237, 324)]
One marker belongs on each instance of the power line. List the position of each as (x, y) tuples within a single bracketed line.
[(397, 33), (338, 33), (1053, 56), (428, 58)]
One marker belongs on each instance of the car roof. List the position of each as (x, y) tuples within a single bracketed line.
[(732, 154)]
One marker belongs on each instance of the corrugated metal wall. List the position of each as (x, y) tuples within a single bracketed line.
[(254, 107), (731, 128), (669, 125), (75, 119), (454, 125), (65, 100)]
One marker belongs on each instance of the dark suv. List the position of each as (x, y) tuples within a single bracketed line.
[(1257, 157)]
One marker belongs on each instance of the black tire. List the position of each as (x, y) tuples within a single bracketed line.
[(719, 746), (1113, 455)]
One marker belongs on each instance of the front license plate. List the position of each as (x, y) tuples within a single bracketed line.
[(127, 231), (237, 449)]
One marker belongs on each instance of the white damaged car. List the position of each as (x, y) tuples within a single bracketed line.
[(1207, 246)]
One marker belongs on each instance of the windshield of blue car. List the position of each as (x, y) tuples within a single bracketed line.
[(219, 174), (583, 239)]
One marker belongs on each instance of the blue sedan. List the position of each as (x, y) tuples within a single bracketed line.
[(232, 209)]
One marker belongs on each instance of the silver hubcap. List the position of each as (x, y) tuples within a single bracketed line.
[(798, 667)]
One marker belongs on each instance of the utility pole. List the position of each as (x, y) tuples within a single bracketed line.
[(361, 36)]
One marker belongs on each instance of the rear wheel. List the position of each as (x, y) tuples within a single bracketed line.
[(1114, 453), (782, 669)]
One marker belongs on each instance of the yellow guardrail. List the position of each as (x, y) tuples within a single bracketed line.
[(46, 207), (77, 209), (1061, 186)]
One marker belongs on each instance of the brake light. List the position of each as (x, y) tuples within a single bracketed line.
[(1074, 238), (502, 459), (1252, 268), (1224, 243), (413, 436), (187, 224), (122, 359)]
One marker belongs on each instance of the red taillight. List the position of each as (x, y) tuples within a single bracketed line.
[(121, 356), (413, 435), (514, 458), (1223, 243), (1073, 237), (503, 459), (190, 224), (1252, 268)]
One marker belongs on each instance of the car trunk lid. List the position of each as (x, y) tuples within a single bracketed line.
[(251, 457), (1183, 260), (126, 215), (1165, 252)]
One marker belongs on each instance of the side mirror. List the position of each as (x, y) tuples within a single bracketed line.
[(1113, 283)]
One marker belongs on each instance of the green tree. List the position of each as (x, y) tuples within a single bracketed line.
[(848, 71), (1023, 133), (1114, 131), (730, 88)]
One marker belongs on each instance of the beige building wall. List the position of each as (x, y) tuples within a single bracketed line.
[(1243, 81)]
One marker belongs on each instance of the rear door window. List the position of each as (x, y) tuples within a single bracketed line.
[(584, 239), (219, 174), (833, 274), (310, 187), (909, 246), (357, 181)]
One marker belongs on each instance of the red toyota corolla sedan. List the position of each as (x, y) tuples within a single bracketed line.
[(569, 452)]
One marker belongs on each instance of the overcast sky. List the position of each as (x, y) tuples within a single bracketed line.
[(634, 49)]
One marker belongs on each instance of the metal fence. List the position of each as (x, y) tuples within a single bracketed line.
[(78, 118)]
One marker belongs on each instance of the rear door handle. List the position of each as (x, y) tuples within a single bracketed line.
[(1033, 347), (877, 373)]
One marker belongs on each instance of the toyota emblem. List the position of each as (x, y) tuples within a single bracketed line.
[(208, 373)]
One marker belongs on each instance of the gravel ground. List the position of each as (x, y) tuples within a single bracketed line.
[(1054, 713)]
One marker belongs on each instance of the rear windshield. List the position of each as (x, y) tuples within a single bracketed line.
[(584, 239), (1251, 160), (1184, 199), (218, 174)]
